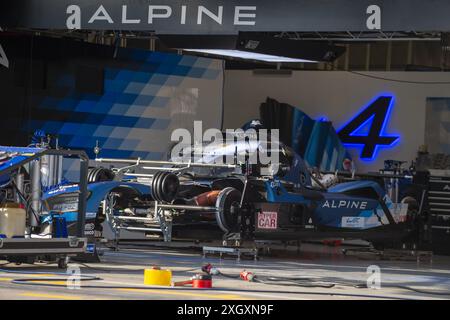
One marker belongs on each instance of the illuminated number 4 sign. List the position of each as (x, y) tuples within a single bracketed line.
[(367, 128), (3, 58)]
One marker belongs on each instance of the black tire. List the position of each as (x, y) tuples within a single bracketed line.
[(99, 175), (227, 213), (90, 172), (155, 186), (165, 186), (169, 187)]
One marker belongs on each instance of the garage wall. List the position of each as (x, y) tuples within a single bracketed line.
[(129, 100), (339, 96)]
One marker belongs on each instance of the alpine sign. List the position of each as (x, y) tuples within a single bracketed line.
[(226, 16)]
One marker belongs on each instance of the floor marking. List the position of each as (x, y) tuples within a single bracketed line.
[(6, 279), (50, 296), (188, 294)]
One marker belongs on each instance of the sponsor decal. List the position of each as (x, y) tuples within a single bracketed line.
[(90, 248), (347, 204), (352, 222), (66, 207), (267, 220), (61, 188), (89, 229), (91, 215)]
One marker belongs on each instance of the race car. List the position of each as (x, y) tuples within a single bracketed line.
[(237, 202)]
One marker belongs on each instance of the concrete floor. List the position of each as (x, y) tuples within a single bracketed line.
[(123, 270)]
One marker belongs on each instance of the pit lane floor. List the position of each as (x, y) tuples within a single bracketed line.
[(122, 277)]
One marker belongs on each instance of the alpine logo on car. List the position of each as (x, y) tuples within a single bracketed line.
[(339, 204), (447, 188), (267, 220)]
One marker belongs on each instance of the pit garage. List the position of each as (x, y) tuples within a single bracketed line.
[(225, 150)]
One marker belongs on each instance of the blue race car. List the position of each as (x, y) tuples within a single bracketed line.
[(206, 201)]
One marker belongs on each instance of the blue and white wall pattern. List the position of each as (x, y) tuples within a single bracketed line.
[(145, 98)]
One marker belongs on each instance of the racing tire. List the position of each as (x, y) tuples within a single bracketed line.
[(165, 186), (99, 175), (155, 186), (227, 209)]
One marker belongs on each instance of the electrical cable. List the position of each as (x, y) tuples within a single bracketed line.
[(399, 80), (359, 286), (105, 270), (37, 281), (125, 269), (27, 204), (188, 270), (294, 283), (79, 277), (228, 275), (313, 283), (210, 289), (269, 281), (432, 292), (390, 79), (274, 280)]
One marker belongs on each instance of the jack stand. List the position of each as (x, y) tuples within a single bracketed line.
[(166, 226)]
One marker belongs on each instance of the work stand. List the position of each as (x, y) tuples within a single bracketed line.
[(390, 254), (237, 252)]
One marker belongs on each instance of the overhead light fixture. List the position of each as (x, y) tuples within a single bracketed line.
[(316, 51), (249, 55), (256, 47)]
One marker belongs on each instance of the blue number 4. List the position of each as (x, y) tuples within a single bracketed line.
[(366, 129)]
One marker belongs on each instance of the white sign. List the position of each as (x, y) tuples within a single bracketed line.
[(353, 222), (267, 220), (242, 15), (3, 58)]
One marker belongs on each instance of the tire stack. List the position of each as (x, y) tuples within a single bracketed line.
[(99, 175), (164, 186)]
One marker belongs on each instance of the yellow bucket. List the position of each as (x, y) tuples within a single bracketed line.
[(157, 277)]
